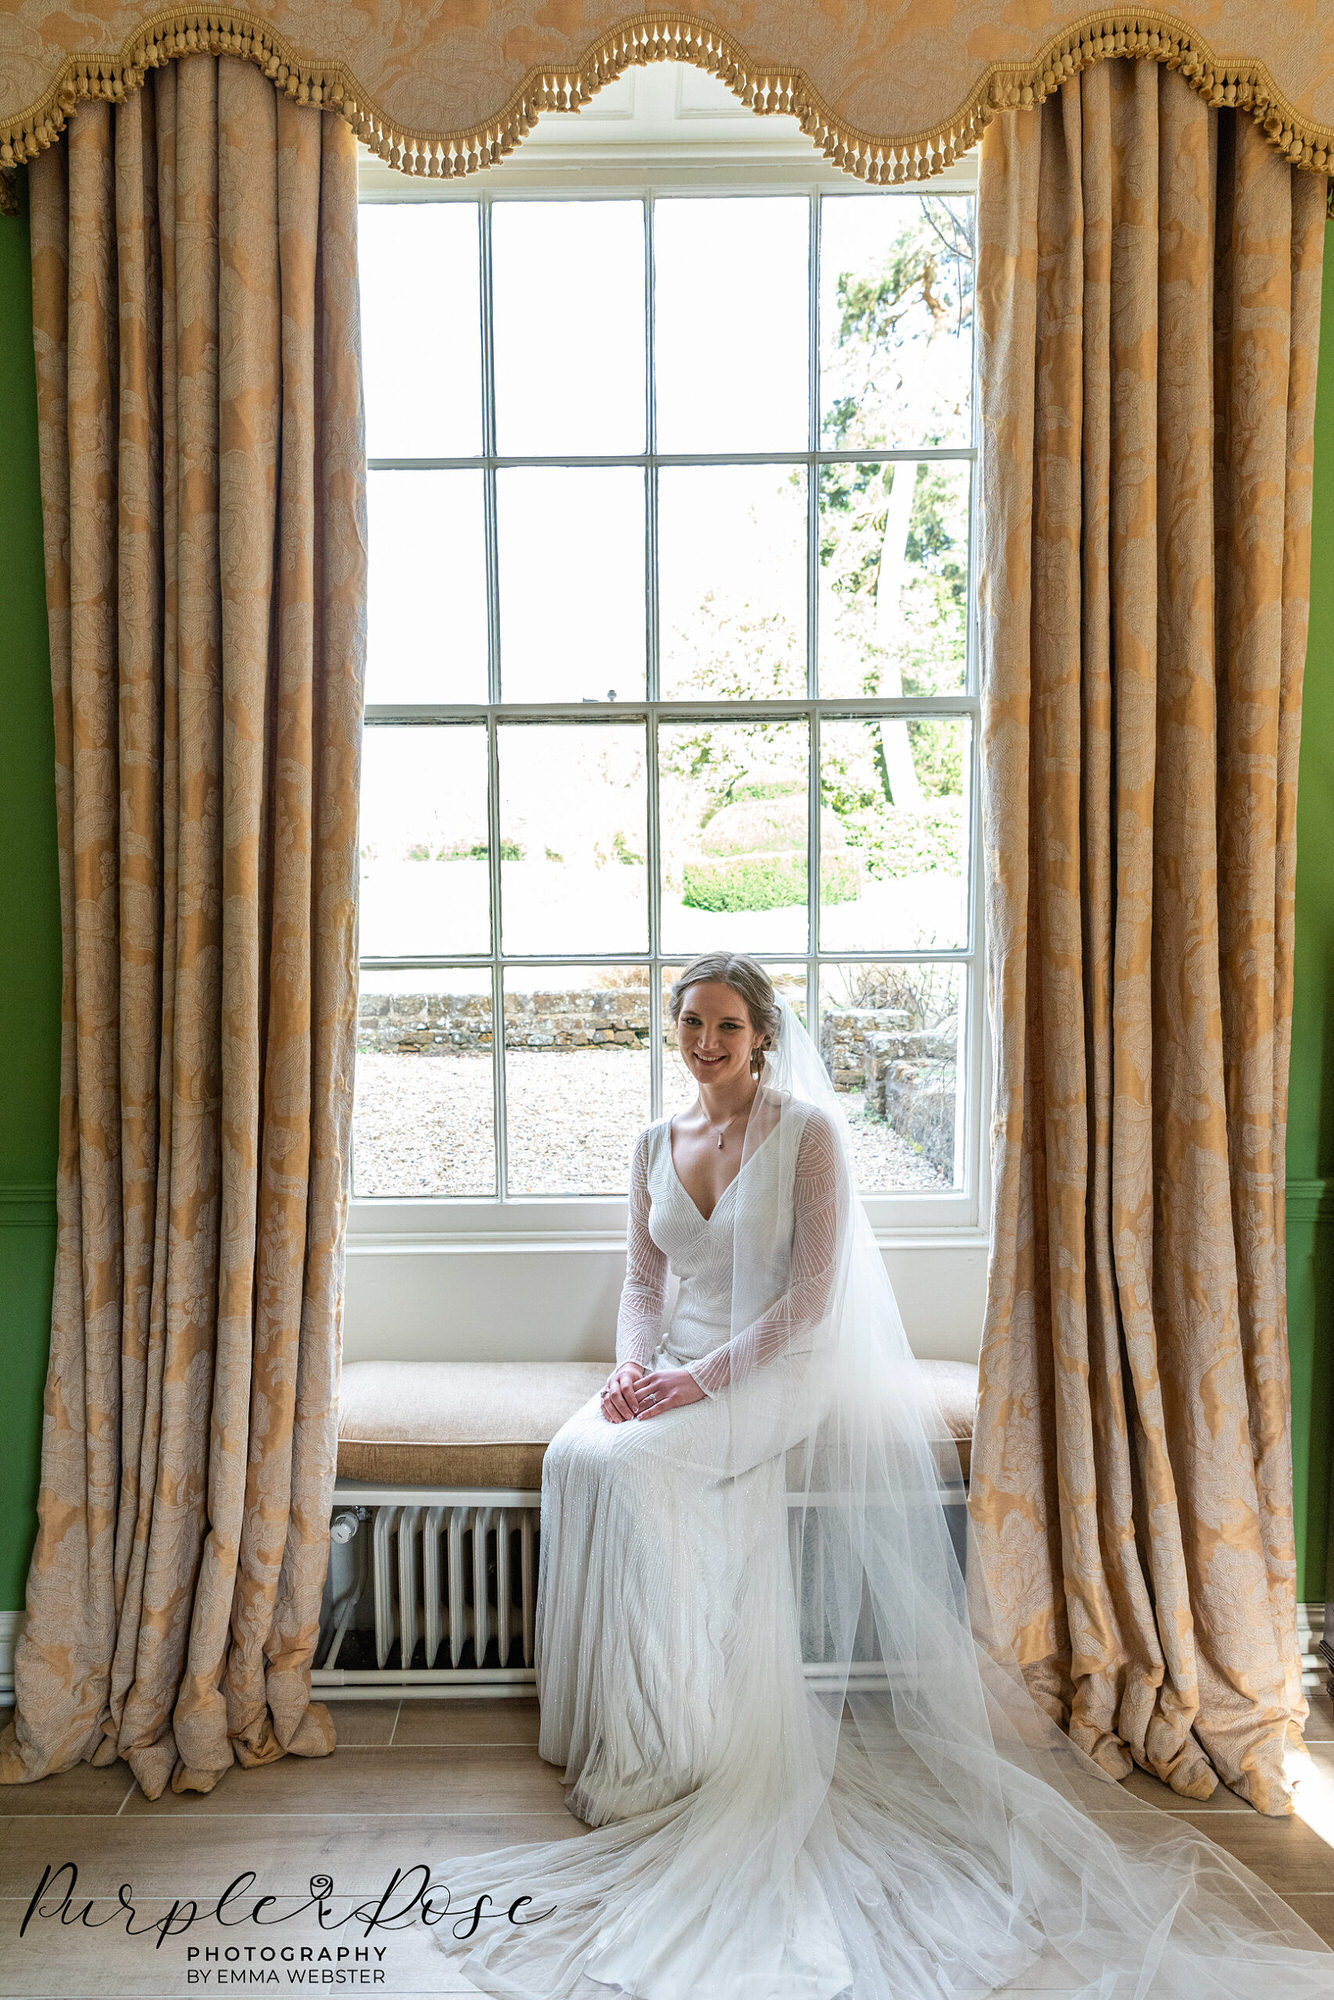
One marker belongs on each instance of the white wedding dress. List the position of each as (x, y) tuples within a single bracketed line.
[(645, 1546), (807, 1777)]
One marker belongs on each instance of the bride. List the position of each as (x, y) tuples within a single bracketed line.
[(811, 1769)]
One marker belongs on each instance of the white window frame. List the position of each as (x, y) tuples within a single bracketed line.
[(926, 1219)]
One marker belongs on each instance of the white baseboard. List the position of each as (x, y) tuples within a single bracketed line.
[(10, 1621), (1310, 1631), (1310, 1627)]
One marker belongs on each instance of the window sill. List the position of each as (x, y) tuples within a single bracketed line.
[(396, 1227)]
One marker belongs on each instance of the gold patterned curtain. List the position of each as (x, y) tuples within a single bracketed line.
[(195, 303), (1148, 299)]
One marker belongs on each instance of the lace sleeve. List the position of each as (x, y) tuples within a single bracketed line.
[(639, 1320), (820, 1196)]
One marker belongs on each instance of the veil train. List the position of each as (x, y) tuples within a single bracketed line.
[(887, 1813)]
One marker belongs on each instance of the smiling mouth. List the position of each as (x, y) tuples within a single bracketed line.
[(708, 1060)]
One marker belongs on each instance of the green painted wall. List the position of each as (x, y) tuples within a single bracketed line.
[(1311, 1091), (29, 929), (30, 972)]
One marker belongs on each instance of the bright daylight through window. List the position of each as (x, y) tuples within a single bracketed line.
[(670, 650)]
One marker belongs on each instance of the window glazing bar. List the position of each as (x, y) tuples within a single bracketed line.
[(812, 606), (460, 961), (492, 461), (847, 707), (498, 1132), (652, 669)]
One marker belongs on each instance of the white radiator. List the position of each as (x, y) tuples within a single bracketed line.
[(426, 1580), (422, 1579)]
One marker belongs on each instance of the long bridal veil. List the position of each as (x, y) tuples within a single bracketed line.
[(887, 1814)]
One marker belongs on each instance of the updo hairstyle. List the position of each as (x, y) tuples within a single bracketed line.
[(746, 978)]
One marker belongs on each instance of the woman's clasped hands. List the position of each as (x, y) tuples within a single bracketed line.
[(634, 1391)]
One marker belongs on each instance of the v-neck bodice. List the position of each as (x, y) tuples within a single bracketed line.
[(698, 1248), (676, 1176)]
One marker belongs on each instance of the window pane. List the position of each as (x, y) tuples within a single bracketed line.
[(896, 320), (894, 578), (571, 583), (678, 1086), (424, 881), (731, 323), (423, 1118), (573, 842), (890, 1035), (421, 342), (733, 808), (732, 581), (576, 1076), (427, 608), (894, 834), (568, 290)]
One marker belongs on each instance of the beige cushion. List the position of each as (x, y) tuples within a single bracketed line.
[(457, 1423), (953, 1386), (488, 1423)]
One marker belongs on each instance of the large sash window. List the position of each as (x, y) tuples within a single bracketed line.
[(672, 482)]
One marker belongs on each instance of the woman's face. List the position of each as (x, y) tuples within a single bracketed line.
[(715, 1034)]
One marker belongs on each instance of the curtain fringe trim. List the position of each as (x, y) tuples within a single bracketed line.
[(1243, 85)]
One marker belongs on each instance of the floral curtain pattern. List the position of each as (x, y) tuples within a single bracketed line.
[(195, 305), (1148, 297)]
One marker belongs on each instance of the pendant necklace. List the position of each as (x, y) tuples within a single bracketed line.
[(723, 1128)]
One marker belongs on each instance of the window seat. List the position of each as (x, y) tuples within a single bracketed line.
[(487, 1424)]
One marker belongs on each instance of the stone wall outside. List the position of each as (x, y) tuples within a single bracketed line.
[(908, 1075), (443, 1023)]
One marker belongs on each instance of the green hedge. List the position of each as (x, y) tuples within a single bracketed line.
[(898, 843), (765, 881), (469, 850), (755, 826)]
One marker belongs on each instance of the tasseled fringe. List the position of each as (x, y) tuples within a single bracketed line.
[(655, 37)]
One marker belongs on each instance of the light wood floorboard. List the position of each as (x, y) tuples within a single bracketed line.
[(413, 1782)]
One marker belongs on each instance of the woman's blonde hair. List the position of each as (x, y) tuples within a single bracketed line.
[(747, 979)]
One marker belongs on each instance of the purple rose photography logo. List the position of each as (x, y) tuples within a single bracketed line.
[(247, 1957)]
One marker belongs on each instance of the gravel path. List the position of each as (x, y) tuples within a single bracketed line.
[(423, 1125)]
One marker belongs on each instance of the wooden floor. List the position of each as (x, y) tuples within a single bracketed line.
[(414, 1782)]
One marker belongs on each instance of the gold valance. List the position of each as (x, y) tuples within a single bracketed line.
[(891, 90)]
